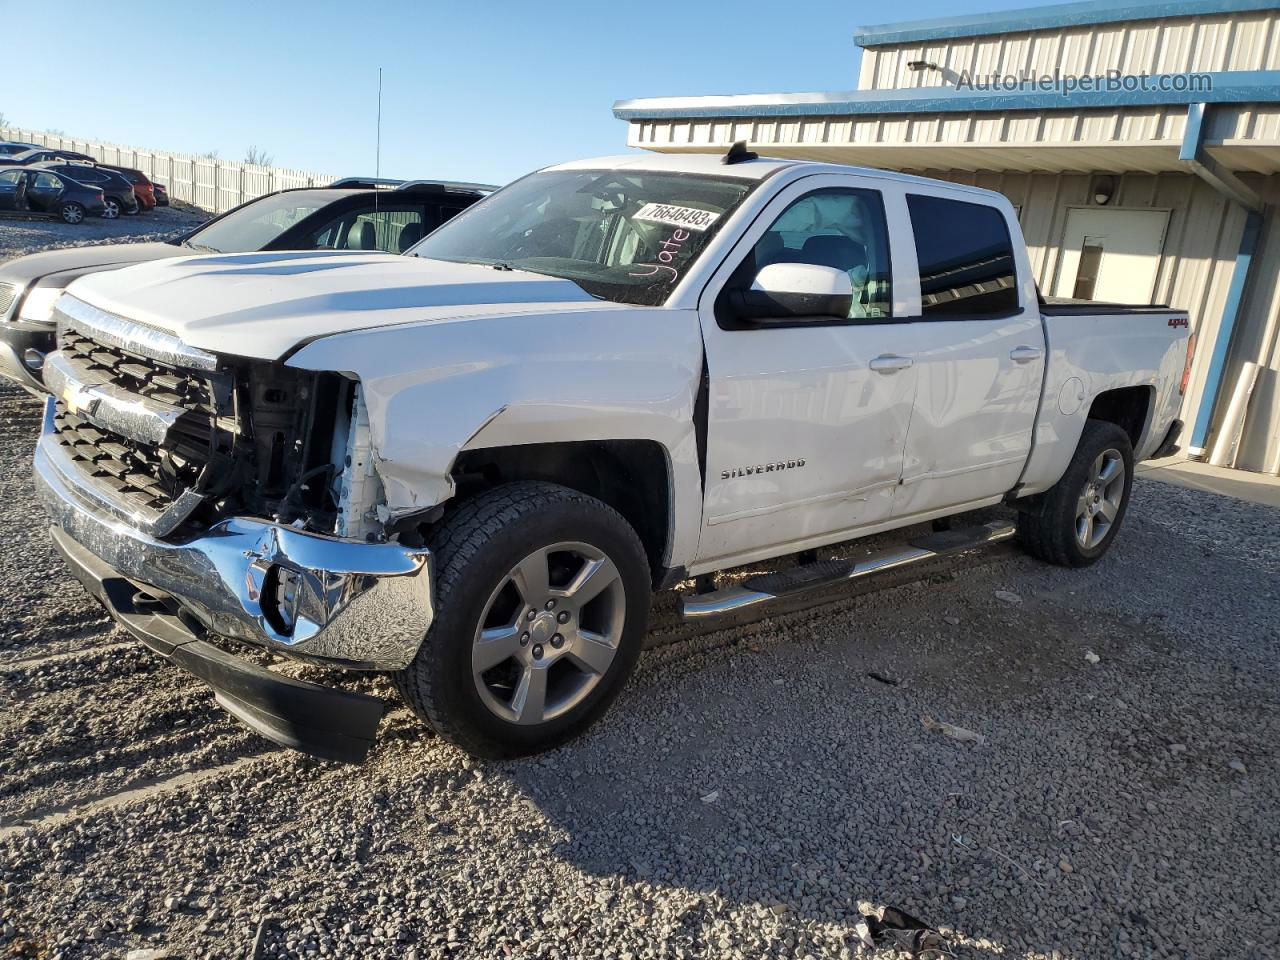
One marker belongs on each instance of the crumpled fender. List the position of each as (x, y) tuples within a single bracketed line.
[(599, 371)]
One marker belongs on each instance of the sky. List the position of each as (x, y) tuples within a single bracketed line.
[(480, 91)]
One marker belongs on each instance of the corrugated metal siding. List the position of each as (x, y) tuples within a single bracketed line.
[(1244, 136), (1239, 41)]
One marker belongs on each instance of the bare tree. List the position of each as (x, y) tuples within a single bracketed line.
[(210, 154), (4, 121), (258, 156)]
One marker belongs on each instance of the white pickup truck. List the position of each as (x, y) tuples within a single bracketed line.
[(471, 466)]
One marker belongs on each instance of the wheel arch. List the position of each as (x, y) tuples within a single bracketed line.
[(634, 477), (1129, 408)]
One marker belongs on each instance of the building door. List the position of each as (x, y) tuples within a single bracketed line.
[(1111, 255)]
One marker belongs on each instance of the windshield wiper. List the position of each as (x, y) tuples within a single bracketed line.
[(200, 246), (502, 265)]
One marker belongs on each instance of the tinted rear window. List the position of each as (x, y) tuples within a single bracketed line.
[(966, 258)]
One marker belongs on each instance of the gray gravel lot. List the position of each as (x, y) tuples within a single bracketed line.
[(750, 789), (23, 235)]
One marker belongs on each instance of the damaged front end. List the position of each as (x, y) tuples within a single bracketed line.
[(238, 498)]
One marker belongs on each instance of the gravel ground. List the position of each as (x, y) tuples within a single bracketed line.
[(23, 235), (749, 790)]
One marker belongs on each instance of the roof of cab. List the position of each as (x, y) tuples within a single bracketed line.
[(758, 169)]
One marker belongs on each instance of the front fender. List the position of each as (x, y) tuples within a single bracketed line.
[(603, 372)]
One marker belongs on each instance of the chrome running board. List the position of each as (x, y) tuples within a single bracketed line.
[(766, 588)]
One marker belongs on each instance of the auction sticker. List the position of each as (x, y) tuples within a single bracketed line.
[(688, 217)]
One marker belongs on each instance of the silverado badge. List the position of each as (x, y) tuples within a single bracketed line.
[(762, 468)]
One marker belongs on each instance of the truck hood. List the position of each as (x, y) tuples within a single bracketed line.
[(265, 304), (59, 267)]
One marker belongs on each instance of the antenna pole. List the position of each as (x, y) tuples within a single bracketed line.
[(377, 161)]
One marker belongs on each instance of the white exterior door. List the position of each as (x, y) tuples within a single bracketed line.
[(980, 356), (804, 432), (1111, 255)]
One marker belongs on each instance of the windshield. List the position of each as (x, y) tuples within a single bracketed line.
[(255, 225), (620, 235)]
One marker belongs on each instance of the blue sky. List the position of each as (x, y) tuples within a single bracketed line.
[(482, 91)]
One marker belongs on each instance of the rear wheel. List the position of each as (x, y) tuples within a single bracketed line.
[(542, 601), (111, 210), (1081, 514), (71, 212), (134, 208)]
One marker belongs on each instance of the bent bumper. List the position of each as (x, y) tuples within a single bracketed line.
[(362, 606), (333, 724)]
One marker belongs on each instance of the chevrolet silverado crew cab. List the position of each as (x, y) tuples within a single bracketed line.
[(470, 467)]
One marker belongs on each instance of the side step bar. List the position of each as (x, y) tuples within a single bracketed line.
[(785, 584)]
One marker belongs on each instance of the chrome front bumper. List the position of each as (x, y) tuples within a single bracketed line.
[(363, 606)]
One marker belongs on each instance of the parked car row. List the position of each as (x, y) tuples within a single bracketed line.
[(352, 214), (71, 185)]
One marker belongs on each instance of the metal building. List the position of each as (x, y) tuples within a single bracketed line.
[(1140, 142)]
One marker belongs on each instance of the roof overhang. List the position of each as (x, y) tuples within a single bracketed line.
[(942, 129), (1060, 16)]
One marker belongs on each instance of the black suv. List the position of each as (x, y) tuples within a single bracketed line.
[(353, 214), (116, 187)]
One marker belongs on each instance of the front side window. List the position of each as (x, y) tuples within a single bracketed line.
[(840, 227), (11, 177), (965, 256), (628, 236), (256, 224)]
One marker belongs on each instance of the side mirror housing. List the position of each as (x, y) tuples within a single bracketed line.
[(794, 291)]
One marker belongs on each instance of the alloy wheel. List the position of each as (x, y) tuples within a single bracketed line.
[(1100, 500), (549, 632)]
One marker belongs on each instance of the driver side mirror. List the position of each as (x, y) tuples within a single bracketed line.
[(794, 291)]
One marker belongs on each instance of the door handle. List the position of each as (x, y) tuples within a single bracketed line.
[(890, 363), (1025, 354)]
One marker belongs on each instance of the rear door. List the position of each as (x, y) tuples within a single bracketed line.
[(979, 349), (805, 419), (44, 191)]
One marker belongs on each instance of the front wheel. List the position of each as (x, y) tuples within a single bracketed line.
[(1079, 517), (542, 601), (71, 212)]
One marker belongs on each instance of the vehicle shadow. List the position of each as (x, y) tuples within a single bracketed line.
[(763, 778)]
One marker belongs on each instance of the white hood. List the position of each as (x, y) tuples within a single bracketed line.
[(264, 304)]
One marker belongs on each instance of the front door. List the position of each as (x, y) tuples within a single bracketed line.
[(805, 418), (1111, 255), (980, 356), (11, 184)]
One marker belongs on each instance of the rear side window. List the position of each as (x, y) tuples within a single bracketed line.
[(966, 258)]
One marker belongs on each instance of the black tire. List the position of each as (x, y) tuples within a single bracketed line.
[(111, 209), (475, 550), (1050, 530), (133, 209), (71, 212)]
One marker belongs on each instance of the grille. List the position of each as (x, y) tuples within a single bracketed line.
[(132, 471), (150, 477), (140, 375), (8, 293)]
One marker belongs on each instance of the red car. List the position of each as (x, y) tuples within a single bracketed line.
[(143, 188)]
